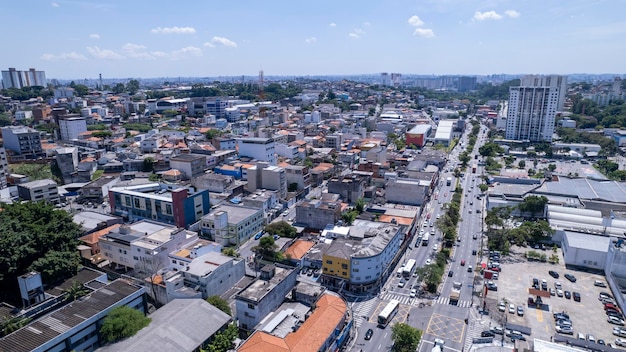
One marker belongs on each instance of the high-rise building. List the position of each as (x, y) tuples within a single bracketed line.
[(19, 79), (466, 83), (532, 107)]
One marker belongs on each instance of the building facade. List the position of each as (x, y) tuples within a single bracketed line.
[(13, 78), (72, 127), (261, 149), (231, 225), (40, 190), (316, 214), (23, 141), (191, 165), (533, 106), (266, 176)]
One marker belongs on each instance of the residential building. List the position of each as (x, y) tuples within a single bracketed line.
[(23, 115), (144, 245), (20, 79), (98, 189), (224, 143), (264, 295), (72, 126), (532, 107), (360, 257), (264, 175), (191, 165), (216, 108), (316, 214), (327, 328), (40, 190), (261, 149), (232, 225), (25, 142), (4, 168), (56, 332), (170, 204), (466, 83), (298, 175), (265, 200), (190, 325), (349, 187)]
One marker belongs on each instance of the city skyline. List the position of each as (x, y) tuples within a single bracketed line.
[(80, 39)]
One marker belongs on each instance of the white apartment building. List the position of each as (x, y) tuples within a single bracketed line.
[(72, 127), (23, 115), (532, 107), (261, 149), (20, 79), (263, 175), (24, 141), (232, 224)]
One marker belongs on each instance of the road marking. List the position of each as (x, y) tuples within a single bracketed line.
[(444, 346)]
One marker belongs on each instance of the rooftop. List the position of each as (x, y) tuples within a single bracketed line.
[(38, 183), (236, 213), (259, 288), (299, 248), (367, 238), (208, 263), (588, 241), (187, 157), (609, 191)]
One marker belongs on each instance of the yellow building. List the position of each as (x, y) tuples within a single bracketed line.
[(336, 263)]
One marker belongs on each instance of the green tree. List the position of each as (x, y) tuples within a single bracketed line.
[(266, 248), (490, 149), (122, 322), (533, 205), (223, 341), (552, 167), (220, 304), (212, 133), (348, 217), (81, 90), (132, 86), (5, 120), (148, 164), (118, 88), (102, 134), (405, 337), (521, 164), (9, 324), (483, 187), (282, 229), (360, 205)]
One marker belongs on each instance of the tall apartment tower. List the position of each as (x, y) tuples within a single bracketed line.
[(20, 79), (533, 106)]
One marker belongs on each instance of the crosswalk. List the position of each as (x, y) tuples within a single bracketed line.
[(475, 328), (403, 299), (460, 303), (363, 310)]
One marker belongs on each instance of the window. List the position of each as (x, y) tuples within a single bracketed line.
[(329, 262), (136, 202), (250, 306), (344, 266), (168, 209), (127, 201)]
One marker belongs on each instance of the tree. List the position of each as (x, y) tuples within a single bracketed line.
[(349, 216), (360, 205), (122, 322), (81, 90), (212, 133), (282, 229), (132, 86), (521, 164), (148, 164), (75, 291), (266, 248), (405, 337), (223, 341), (483, 187), (552, 167), (10, 324), (220, 304), (490, 149), (118, 88), (533, 205)]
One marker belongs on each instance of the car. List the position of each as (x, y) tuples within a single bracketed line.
[(536, 283), (557, 285), (615, 314), (511, 308), (617, 331), (516, 335), (428, 261), (495, 276), (435, 247), (475, 237), (501, 307), (552, 292), (470, 211), (487, 333), (473, 252), (309, 272), (570, 277), (520, 311), (497, 330), (590, 338), (576, 296), (599, 283), (413, 293), (463, 262), (477, 211), (286, 213), (603, 295), (568, 294), (563, 323), (620, 342), (276, 237), (566, 330), (601, 342), (559, 293), (401, 284), (491, 286), (368, 334), (544, 285), (469, 269), (258, 235), (610, 306), (554, 274), (450, 273)]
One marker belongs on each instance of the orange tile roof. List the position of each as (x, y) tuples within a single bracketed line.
[(309, 337), (283, 164), (299, 248), (47, 146), (93, 237), (399, 219), (88, 159)]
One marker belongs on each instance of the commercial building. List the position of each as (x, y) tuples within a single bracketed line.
[(170, 204), (359, 257), (20, 79), (316, 214), (443, 135), (40, 190), (72, 126), (265, 176), (532, 107), (407, 191), (232, 225), (264, 295), (417, 135), (261, 149), (25, 142), (181, 325), (191, 165)]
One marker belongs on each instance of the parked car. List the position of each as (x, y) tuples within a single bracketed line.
[(552, 292), (487, 333), (450, 273), (570, 277), (401, 284), (599, 283), (601, 342), (491, 286), (258, 235), (615, 320), (500, 331), (501, 307), (617, 331), (604, 295), (559, 293), (544, 285), (368, 334), (563, 323), (576, 296), (558, 286), (554, 274), (511, 308), (590, 338), (520, 311), (276, 237), (567, 330), (413, 293), (568, 294), (428, 261), (620, 342)]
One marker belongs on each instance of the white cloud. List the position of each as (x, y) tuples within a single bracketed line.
[(488, 15), (356, 33), (186, 51), (310, 40), (209, 44), (94, 36), (174, 30), (424, 32), (332, 24), (415, 21), (137, 51), (512, 13), (103, 53), (158, 54), (54, 4), (64, 56), (223, 41)]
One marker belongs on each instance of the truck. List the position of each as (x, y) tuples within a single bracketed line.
[(425, 239), (455, 294), (438, 345), (474, 166), (448, 181)]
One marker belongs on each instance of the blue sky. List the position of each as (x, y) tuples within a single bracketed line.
[(135, 38)]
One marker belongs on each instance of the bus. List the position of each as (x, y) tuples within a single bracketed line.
[(384, 318), (425, 239), (408, 268)]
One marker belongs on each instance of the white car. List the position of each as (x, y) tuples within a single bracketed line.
[(620, 342), (559, 293), (435, 247), (502, 307), (413, 293), (428, 261), (511, 308)]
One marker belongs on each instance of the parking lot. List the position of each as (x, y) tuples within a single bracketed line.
[(516, 278)]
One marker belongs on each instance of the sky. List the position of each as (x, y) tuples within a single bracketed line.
[(77, 39)]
